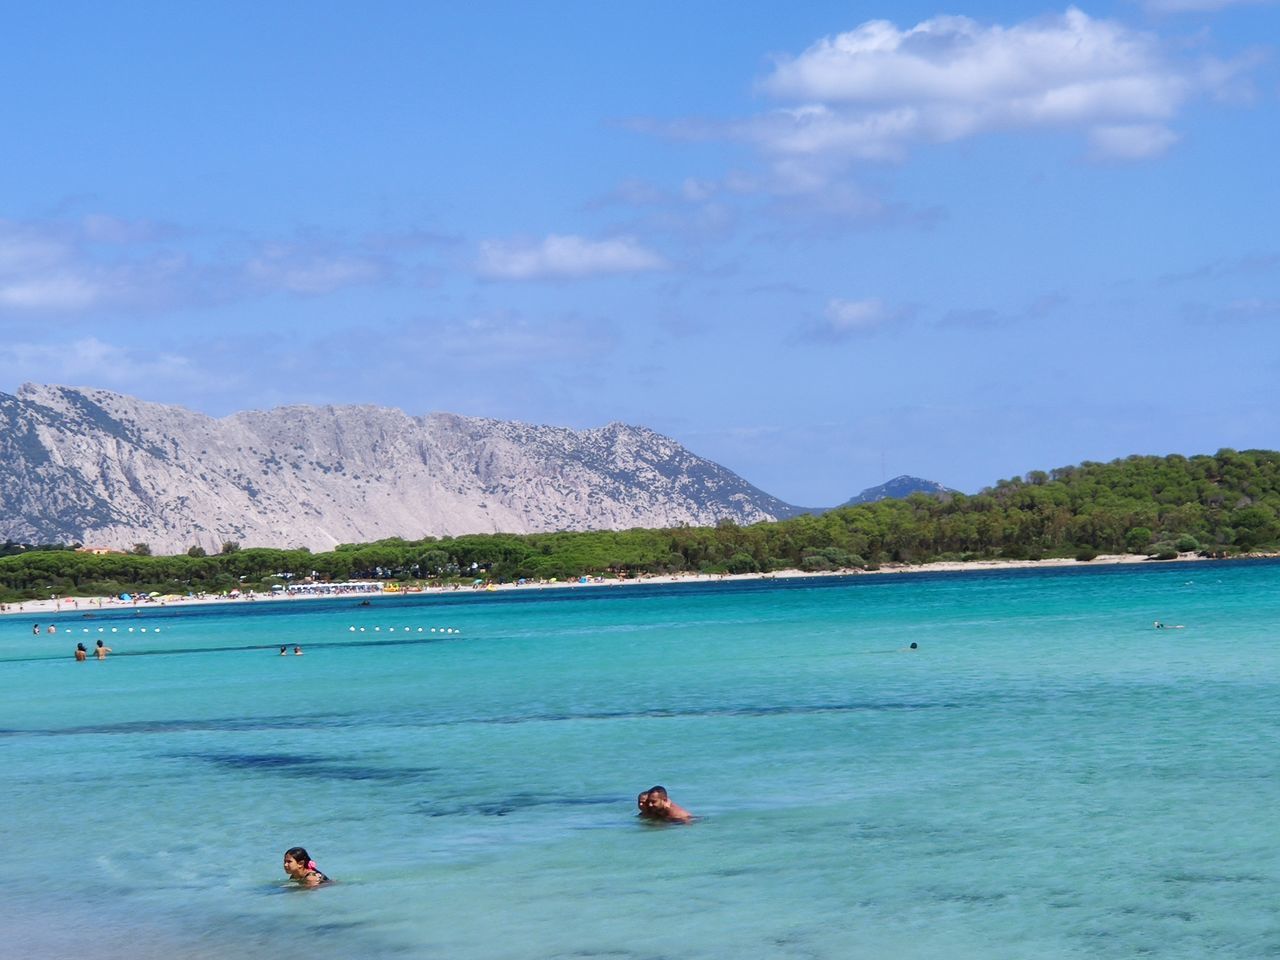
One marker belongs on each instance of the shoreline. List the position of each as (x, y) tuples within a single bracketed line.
[(77, 604)]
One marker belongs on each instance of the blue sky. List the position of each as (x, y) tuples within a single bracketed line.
[(822, 244)]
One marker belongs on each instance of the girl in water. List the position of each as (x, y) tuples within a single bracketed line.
[(302, 869)]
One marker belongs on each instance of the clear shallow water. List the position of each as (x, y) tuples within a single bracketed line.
[(1047, 776)]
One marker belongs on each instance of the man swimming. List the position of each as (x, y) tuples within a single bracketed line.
[(654, 804)]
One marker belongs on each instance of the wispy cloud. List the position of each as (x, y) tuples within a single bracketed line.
[(297, 269), (1201, 6), (92, 361), (1038, 309), (1133, 141), (1252, 265), (77, 266), (72, 266), (565, 257), (843, 319), (1242, 310)]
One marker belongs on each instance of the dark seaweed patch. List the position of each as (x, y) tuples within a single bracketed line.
[(229, 724), (310, 767), (515, 803), (240, 724), (1214, 878)]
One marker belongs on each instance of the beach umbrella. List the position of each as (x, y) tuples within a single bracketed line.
[(125, 596)]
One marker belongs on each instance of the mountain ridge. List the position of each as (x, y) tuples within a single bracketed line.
[(89, 465), (899, 488)]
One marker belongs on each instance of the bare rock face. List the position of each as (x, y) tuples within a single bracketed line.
[(90, 466)]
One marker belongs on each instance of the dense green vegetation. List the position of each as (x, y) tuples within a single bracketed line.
[(1157, 506)]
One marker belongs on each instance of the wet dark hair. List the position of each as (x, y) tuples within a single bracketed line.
[(299, 854), (80, 646), (99, 643), (660, 791), (914, 646)]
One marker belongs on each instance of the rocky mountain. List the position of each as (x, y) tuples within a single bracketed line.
[(897, 489), (103, 469)]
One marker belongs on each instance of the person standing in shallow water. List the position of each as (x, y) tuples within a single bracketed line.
[(101, 651), (301, 869), (81, 653)]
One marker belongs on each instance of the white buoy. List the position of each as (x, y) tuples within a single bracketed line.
[(131, 629), (114, 630), (419, 629), (352, 629)]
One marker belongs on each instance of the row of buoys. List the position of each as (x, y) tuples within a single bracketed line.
[(117, 629), (407, 629)]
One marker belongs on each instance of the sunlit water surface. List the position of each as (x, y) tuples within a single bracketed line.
[(1047, 776)]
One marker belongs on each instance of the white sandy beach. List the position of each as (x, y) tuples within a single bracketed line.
[(75, 604)]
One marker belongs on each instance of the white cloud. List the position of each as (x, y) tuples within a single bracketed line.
[(565, 257), (877, 90)]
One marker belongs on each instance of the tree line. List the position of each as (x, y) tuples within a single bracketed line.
[(1216, 505)]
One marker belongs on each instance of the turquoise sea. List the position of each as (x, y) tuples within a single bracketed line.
[(1046, 776)]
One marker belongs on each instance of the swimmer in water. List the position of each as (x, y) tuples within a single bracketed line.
[(654, 804), (284, 651), (302, 869), (81, 653), (297, 651), (101, 651)]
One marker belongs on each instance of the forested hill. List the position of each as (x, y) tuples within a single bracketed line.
[(1158, 506), (1225, 502)]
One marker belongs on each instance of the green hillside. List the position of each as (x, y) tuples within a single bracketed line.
[(1224, 504)]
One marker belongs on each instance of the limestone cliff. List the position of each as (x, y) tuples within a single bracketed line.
[(91, 466)]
